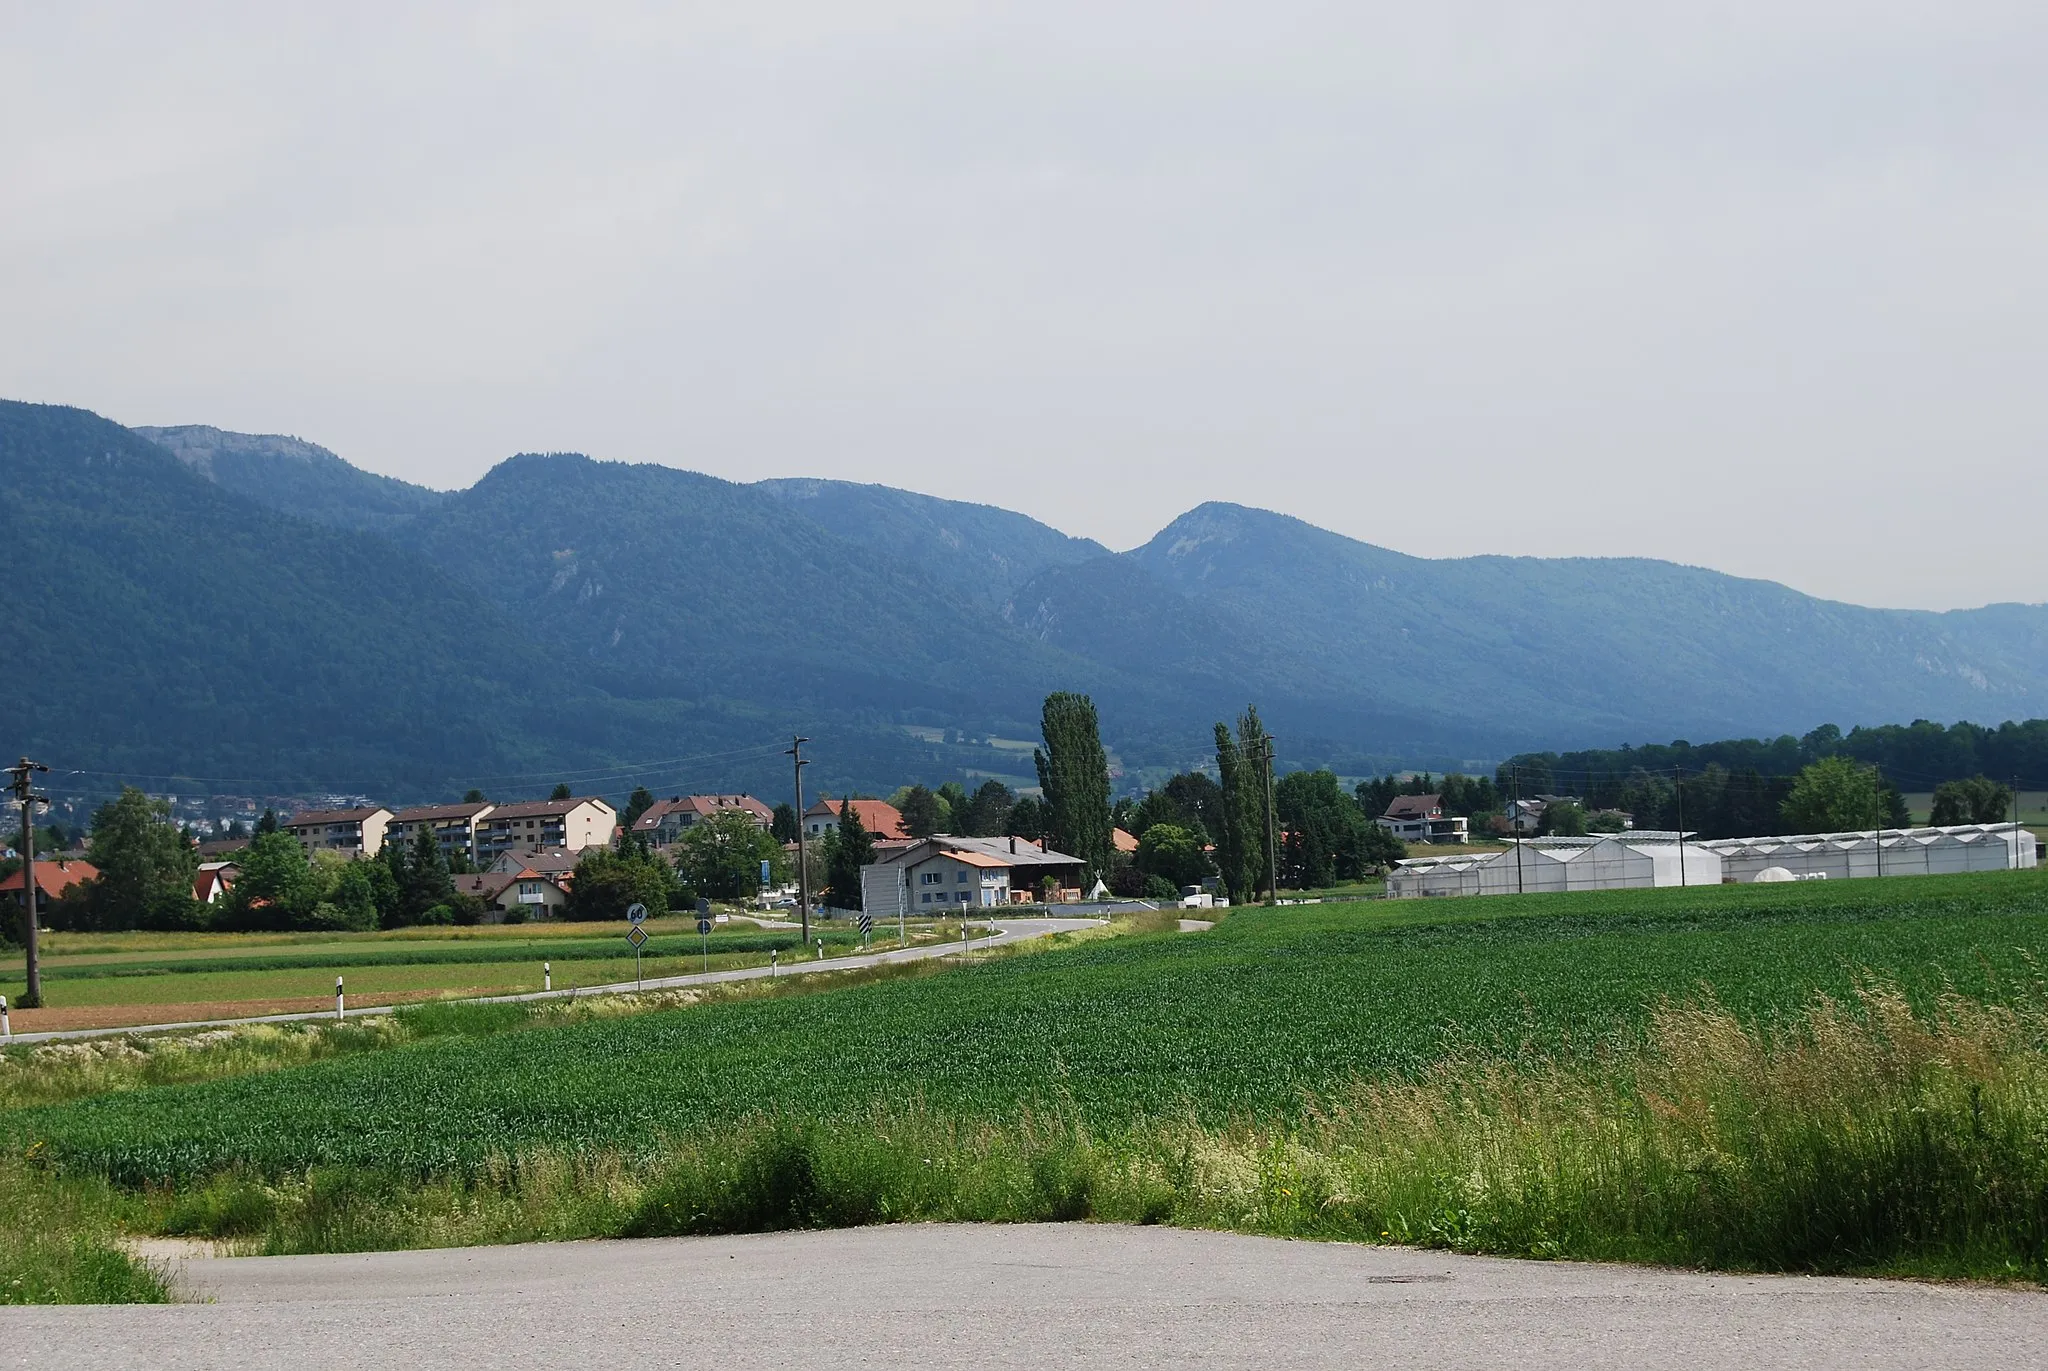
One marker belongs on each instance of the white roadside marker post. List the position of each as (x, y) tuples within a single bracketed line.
[(547, 976), (339, 1011), (821, 949), (6, 1028), (774, 956)]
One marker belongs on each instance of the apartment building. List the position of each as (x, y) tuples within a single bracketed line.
[(572, 824), (356, 832), (454, 827)]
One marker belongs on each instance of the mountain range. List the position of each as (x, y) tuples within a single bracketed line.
[(253, 613)]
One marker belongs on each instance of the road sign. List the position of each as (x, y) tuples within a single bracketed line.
[(867, 925), (704, 926), (764, 871), (637, 936), (637, 915), (703, 906)]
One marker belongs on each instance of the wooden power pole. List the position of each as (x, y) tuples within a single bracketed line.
[(803, 848), (24, 773)]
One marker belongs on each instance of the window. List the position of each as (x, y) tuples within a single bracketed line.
[(926, 898), (960, 877)]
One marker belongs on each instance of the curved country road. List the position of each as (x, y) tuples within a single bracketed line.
[(1007, 931), (1058, 1295)]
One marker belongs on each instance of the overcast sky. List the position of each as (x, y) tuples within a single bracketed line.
[(1759, 287)]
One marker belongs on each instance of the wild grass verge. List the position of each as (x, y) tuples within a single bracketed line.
[(1860, 1138), (60, 1242)]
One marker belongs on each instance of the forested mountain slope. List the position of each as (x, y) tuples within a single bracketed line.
[(180, 628), (215, 605), (1621, 647), (979, 552), (295, 476)]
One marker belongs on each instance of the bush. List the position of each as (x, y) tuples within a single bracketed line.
[(439, 915), (174, 911), (1159, 888)]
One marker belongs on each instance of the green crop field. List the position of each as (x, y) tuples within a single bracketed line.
[(1257, 1019), (86, 971)]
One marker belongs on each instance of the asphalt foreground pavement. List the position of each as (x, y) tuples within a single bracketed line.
[(1053, 1295)]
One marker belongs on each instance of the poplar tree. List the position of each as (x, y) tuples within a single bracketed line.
[(1234, 835), (1254, 750), (1073, 771)]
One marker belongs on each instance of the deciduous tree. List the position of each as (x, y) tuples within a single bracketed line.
[(721, 855), (1835, 795), (1978, 800), (145, 866), (1173, 853)]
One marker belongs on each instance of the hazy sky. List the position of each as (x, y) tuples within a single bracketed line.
[(1761, 287)]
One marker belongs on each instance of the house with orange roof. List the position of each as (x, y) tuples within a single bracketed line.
[(52, 879), (878, 817)]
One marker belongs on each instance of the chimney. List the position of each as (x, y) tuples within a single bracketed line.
[(1013, 844)]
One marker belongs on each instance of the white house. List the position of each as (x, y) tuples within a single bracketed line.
[(938, 874), (1421, 819)]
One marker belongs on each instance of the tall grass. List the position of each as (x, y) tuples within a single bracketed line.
[(1859, 1138), (59, 1242)]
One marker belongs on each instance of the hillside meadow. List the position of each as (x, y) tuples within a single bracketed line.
[(1840, 1076)]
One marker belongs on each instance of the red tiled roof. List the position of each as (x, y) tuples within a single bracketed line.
[(53, 878), (878, 817), (1124, 841), (703, 806)]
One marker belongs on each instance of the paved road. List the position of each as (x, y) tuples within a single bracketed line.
[(1076, 1295), (1008, 931)]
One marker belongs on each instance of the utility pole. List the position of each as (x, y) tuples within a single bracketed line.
[(24, 774), (1272, 837), (2016, 839), (803, 848), (1678, 789), (1879, 844), (1515, 827)]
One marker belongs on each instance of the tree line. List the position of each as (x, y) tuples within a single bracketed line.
[(1916, 756)]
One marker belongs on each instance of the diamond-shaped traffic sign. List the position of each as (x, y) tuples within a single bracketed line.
[(637, 936)]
